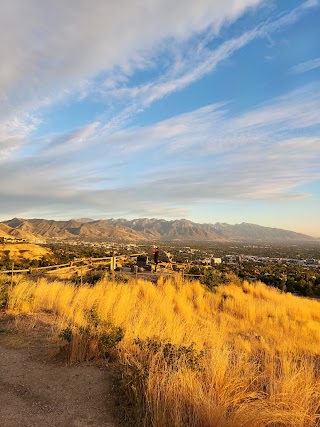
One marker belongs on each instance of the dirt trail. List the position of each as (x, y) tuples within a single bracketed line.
[(39, 391)]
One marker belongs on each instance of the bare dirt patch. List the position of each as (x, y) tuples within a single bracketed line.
[(37, 387)]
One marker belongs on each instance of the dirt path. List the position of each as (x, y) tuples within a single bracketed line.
[(37, 390)]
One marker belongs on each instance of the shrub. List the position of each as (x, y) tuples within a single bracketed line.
[(93, 341), (3, 291), (174, 355)]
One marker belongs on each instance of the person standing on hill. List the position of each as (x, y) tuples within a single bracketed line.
[(155, 256)]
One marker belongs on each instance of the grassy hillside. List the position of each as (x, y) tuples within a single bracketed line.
[(241, 356), (16, 252)]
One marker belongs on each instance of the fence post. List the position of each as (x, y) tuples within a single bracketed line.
[(136, 271), (182, 274), (112, 265), (12, 274), (81, 276)]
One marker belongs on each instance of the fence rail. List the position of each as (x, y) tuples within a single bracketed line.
[(71, 265), (84, 265)]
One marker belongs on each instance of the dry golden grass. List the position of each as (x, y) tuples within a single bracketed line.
[(261, 364), (23, 251)]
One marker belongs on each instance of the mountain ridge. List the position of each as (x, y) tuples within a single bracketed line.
[(144, 229)]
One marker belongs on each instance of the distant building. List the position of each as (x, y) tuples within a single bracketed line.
[(216, 260), (11, 240), (37, 241)]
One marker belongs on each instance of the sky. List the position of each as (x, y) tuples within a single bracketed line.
[(207, 110)]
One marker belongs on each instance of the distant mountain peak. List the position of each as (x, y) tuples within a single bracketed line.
[(83, 220), (144, 229)]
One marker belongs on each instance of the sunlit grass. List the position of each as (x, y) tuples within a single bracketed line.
[(18, 252), (261, 348)]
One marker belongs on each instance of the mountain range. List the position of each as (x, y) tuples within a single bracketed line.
[(144, 229)]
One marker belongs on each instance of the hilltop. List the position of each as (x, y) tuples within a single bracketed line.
[(145, 229), (238, 355), (24, 251)]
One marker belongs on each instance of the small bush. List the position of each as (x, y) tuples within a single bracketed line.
[(90, 278), (94, 341), (66, 334), (3, 291), (175, 356), (122, 278)]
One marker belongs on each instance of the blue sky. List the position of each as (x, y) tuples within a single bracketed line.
[(206, 110)]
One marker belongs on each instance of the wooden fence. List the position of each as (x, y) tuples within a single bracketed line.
[(83, 265), (72, 266)]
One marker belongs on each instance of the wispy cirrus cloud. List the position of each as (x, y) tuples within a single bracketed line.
[(51, 50), (125, 57), (54, 61), (14, 132), (203, 155), (68, 142), (211, 129), (303, 67), (185, 69)]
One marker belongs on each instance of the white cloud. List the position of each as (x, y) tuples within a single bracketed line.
[(48, 49), (13, 134), (286, 111), (201, 65), (306, 66), (53, 50), (210, 130), (203, 155), (68, 142), (189, 66)]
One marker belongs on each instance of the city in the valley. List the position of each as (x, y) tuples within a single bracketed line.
[(290, 267)]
